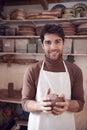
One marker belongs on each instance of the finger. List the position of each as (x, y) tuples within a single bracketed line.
[(61, 106), (46, 103), (46, 109), (48, 112), (62, 96), (58, 109), (56, 112)]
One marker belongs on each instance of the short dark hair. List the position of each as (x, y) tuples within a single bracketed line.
[(52, 29)]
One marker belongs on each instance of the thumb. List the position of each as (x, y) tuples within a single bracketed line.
[(48, 91)]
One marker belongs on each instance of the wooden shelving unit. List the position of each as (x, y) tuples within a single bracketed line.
[(36, 22)]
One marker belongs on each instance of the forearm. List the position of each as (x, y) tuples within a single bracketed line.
[(73, 106), (33, 106)]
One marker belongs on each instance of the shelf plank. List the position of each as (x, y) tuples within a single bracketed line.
[(21, 123), (18, 37), (37, 37), (75, 54), (76, 37), (35, 21), (20, 53), (37, 54), (10, 100)]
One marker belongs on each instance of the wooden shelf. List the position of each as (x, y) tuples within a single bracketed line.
[(18, 37), (10, 100), (76, 37), (21, 123), (34, 55), (20, 53), (75, 54), (37, 37), (37, 21)]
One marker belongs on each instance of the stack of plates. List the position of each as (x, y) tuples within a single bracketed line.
[(82, 29), (18, 14), (26, 30), (38, 29), (78, 22), (53, 14), (69, 28)]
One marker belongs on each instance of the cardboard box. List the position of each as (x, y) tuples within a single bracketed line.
[(8, 45), (21, 45)]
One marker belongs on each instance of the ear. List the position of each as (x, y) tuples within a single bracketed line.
[(64, 43), (42, 45)]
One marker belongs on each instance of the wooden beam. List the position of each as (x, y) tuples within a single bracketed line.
[(44, 4), (18, 2)]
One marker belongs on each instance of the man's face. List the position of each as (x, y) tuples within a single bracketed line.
[(53, 46)]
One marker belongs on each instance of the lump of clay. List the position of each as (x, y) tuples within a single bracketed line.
[(55, 98)]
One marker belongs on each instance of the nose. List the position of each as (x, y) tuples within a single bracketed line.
[(53, 46)]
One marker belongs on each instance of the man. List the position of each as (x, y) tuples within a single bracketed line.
[(53, 75)]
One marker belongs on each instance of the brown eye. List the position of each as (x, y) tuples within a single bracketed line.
[(47, 42), (58, 41)]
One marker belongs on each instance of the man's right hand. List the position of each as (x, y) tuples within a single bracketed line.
[(46, 102)]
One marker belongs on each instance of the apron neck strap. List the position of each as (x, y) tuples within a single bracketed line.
[(42, 65), (65, 66)]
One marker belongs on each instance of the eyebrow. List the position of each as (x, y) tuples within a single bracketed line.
[(58, 40)]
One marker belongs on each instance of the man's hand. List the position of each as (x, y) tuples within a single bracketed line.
[(60, 106), (46, 103)]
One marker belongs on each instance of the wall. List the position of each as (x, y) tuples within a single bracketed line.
[(15, 72)]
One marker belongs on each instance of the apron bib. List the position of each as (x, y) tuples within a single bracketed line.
[(59, 83)]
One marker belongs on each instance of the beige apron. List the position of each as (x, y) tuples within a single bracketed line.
[(59, 82)]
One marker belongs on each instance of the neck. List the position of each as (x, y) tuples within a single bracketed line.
[(53, 62), (54, 65)]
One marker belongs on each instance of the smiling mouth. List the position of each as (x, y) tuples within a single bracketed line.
[(53, 52)]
